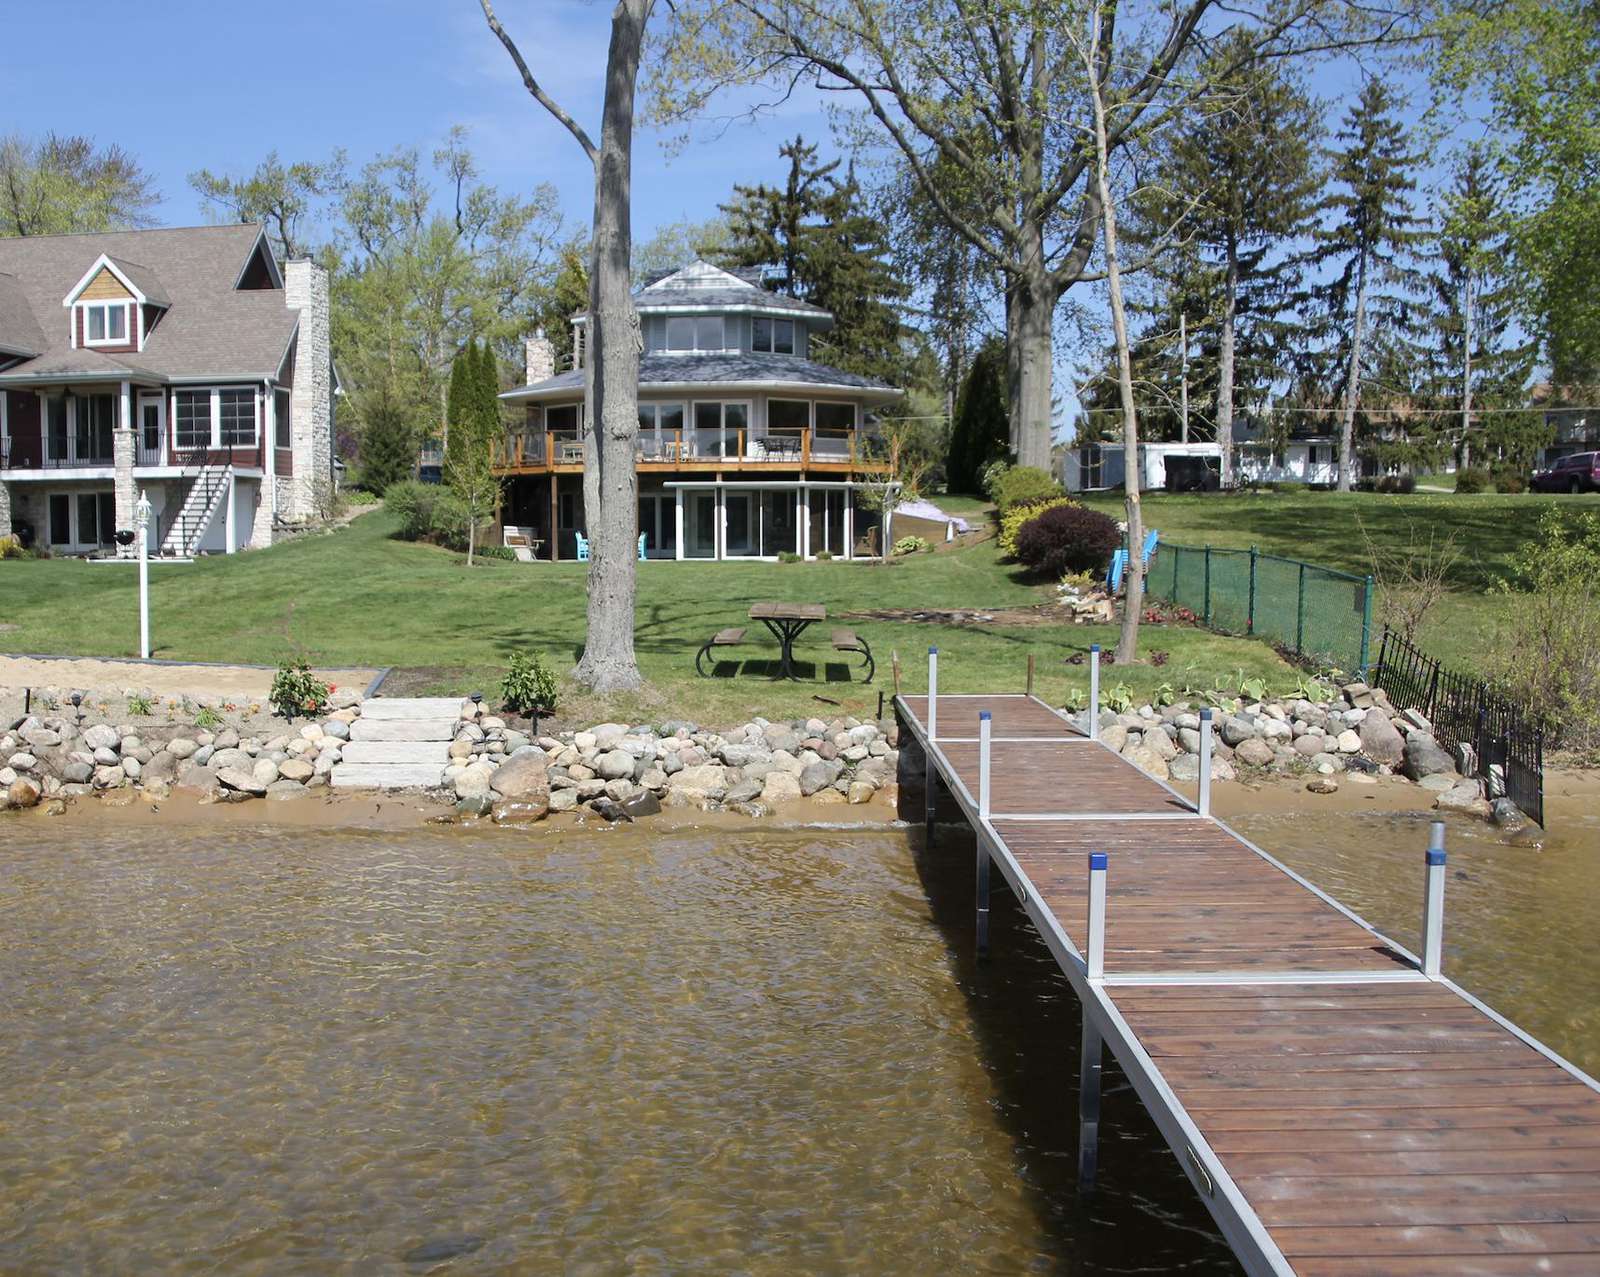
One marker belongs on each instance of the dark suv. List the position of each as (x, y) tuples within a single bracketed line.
[(1579, 472)]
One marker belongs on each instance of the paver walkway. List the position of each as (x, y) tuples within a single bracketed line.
[(399, 742)]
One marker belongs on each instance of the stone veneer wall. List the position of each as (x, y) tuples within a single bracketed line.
[(311, 401), (5, 509), (261, 524), (127, 496), (539, 355)]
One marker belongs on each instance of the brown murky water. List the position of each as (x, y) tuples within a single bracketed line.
[(272, 1050)]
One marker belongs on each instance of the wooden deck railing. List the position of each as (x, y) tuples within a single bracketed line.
[(793, 448)]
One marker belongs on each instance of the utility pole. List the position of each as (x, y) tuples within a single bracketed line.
[(1466, 371), (1183, 384)]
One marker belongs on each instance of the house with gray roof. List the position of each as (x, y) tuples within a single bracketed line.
[(182, 363), (748, 447)]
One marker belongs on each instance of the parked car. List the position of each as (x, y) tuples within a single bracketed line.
[(1579, 472)]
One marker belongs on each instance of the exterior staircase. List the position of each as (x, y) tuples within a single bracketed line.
[(400, 742), (206, 493)]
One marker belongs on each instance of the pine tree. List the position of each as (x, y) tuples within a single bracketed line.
[(1481, 360), (1367, 239), (458, 398), (832, 253), (982, 428), (388, 442)]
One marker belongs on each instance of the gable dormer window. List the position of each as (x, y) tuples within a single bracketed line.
[(772, 336), (105, 323), (695, 333)]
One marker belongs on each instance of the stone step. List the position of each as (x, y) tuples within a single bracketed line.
[(397, 751), (403, 729), (412, 707), (386, 775)]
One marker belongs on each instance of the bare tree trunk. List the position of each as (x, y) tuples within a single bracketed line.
[(1466, 375), (1030, 410), (611, 364), (1352, 387), (472, 536), (1225, 373), (1133, 594)]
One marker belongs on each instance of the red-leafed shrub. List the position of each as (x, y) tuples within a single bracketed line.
[(1068, 538)]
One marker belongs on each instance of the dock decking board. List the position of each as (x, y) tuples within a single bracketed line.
[(1368, 1120)]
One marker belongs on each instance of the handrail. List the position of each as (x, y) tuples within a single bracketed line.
[(520, 449)]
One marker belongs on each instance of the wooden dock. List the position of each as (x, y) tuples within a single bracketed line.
[(1340, 1106)]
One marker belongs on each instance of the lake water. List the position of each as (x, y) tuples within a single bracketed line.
[(240, 1050)]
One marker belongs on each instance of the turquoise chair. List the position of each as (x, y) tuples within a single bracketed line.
[(641, 547), (583, 547), (1119, 560)]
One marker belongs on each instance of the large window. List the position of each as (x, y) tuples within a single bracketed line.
[(284, 415), (695, 332), (105, 324), (236, 417), (192, 418), (772, 336), (97, 415), (836, 416), (717, 427), (562, 419), (660, 428)]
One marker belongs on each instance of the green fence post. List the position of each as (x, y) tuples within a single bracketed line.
[(1366, 629), (1250, 610), (1207, 607), (1300, 616)]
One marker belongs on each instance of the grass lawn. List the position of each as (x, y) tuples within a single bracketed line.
[(359, 597), (1327, 528)]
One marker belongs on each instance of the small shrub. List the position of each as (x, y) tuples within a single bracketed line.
[(412, 503), (1024, 485), (1069, 538), (1509, 479), (297, 691), (11, 548), (1406, 484), (1471, 480), (824, 556), (208, 718), (500, 553), (788, 556), (140, 706), (360, 496), (528, 684), (909, 545), (1012, 520), (990, 476)]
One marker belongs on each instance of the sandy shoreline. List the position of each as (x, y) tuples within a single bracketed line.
[(161, 678)]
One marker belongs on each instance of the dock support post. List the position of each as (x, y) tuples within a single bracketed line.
[(1433, 907), (1205, 762), (1094, 691), (930, 778), (984, 730), (1093, 1052), (1091, 1061)]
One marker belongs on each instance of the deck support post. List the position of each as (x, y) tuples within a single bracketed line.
[(1091, 1061), (1205, 762), (985, 728), (930, 778), (1433, 906), (1095, 959), (1094, 691)]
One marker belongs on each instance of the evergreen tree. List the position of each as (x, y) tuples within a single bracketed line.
[(832, 253), (981, 432), (458, 398), (1245, 163), (1481, 360), (388, 442), (1367, 239)]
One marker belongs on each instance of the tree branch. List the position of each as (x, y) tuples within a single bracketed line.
[(532, 85)]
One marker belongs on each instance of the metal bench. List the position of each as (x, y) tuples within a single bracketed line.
[(850, 641), (722, 638)]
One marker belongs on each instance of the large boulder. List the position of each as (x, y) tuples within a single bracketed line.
[(526, 777), (1252, 753), (1424, 757), (815, 776), (523, 811), (182, 747), (614, 764), (1236, 730), (1381, 740), (101, 736), (1147, 760), (473, 780), (780, 787), (245, 782), (24, 791), (708, 780), (1466, 798)]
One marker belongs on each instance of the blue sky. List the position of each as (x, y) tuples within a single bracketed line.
[(219, 90)]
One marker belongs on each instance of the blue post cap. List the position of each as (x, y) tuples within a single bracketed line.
[(933, 651), (984, 716), (1094, 647), (1097, 860), (1435, 857), (1205, 716)]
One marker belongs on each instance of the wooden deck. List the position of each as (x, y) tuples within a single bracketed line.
[(1339, 1111)]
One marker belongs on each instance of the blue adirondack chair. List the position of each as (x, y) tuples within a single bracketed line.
[(641, 547), (1119, 560), (583, 547)]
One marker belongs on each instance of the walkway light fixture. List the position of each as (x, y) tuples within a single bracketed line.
[(141, 523)]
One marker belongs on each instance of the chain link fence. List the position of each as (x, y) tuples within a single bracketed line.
[(1315, 612)]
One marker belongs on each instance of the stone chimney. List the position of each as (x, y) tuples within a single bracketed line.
[(540, 354), (305, 287)]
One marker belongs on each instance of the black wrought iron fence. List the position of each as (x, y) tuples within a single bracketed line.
[(1466, 710)]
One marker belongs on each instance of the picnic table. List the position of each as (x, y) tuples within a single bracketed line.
[(787, 621)]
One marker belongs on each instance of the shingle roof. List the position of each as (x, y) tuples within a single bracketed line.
[(658, 299), (19, 330), (742, 369), (144, 279), (211, 329)]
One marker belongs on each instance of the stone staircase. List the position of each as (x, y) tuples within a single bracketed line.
[(399, 742)]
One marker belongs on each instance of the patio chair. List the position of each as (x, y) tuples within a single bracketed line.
[(583, 547), (641, 547), (1119, 560)]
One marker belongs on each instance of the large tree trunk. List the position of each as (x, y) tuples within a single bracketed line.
[(1133, 592), (1352, 386), (608, 663), (1466, 375), (1230, 305), (1033, 317), (1013, 361)]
